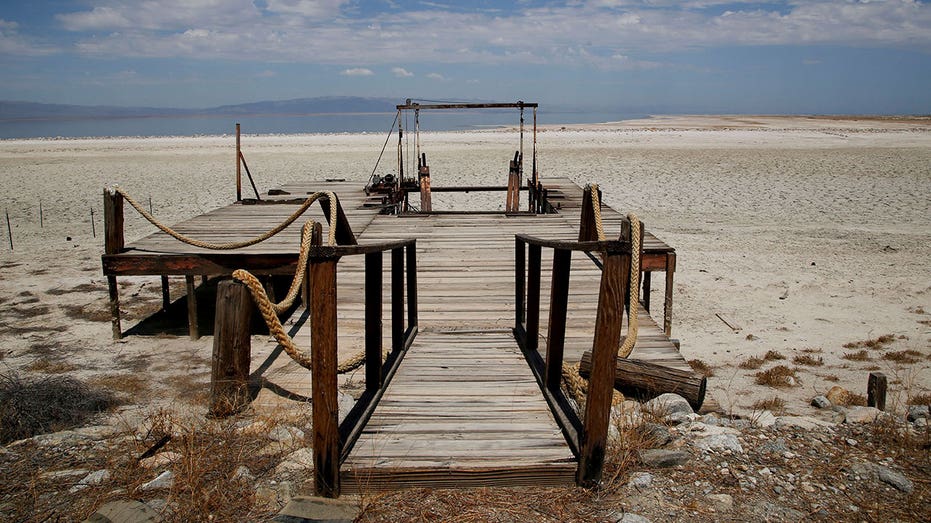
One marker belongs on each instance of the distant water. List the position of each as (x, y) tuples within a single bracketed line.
[(284, 124)]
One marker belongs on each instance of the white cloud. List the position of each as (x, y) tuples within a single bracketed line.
[(357, 71), (13, 43), (579, 33), (401, 72), (436, 76), (266, 74)]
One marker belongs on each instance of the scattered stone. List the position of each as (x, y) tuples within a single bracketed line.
[(273, 496), (838, 395), (656, 432), (345, 403), (897, 480), (242, 472), (661, 458), (640, 480), (776, 446), (861, 415), (721, 502), (94, 478), (286, 434), (305, 508), (630, 517), (160, 460), (719, 442), (921, 423), (821, 402), (916, 412), (64, 474), (300, 459), (764, 419), (163, 481), (125, 511), (801, 422), (669, 407)]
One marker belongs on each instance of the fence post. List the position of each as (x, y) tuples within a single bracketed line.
[(397, 299), (533, 297), (113, 244), (559, 302), (324, 352), (373, 320), (594, 435), (232, 349), (520, 279)]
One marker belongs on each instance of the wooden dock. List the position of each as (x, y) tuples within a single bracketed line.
[(462, 407)]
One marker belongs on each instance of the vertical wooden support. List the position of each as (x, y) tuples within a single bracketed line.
[(512, 203), (559, 302), (411, 286), (667, 305), (533, 298), (373, 320), (397, 299), (192, 307), (166, 293), (423, 171), (113, 244), (520, 275), (229, 379), (344, 234), (587, 229), (238, 167), (324, 350), (594, 436), (645, 292), (876, 391)]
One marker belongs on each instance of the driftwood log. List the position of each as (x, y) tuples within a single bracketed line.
[(643, 379)]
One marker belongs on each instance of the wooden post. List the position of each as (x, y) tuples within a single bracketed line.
[(166, 293), (411, 251), (373, 320), (344, 234), (113, 244), (587, 229), (93, 225), (232, 346), (192, 307), (9, 229), (594, 435), (238, 166), (876, 390), (324, 351), (520, 278), (667, 305), (645, 293), (512, 203), (397, 299), (559, 302), (645, 380), (426, 202), (533, 298)]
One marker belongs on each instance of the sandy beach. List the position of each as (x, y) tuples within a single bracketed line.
[(804, 234)]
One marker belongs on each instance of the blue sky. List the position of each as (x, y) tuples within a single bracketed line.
[(801, 56)]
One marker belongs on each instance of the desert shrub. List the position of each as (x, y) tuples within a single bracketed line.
[(751, 363), (773, 355), (702, 368), (778, 376), (805, 359)]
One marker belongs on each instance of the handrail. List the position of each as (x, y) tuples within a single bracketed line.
[(331, 441), (586, 436)]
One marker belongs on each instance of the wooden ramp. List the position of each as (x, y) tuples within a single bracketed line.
[(463, 410)]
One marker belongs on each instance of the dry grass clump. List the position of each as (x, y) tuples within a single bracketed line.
[(50, 366), (775, 405), (773, 355), (904, 357), (923, 398), (702, 368), (860, 355), (46, 404), (778, 376), (805, 359), (132, 385), (751, 363), (875, 343)]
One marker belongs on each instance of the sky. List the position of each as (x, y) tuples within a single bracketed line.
[(636, 56)]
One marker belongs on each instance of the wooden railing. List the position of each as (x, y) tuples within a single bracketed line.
[(331, 440), (539, 201), (586, 436)]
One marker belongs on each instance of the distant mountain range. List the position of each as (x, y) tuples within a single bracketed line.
[(13, 110)]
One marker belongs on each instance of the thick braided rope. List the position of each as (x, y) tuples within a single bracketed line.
[(575, 383), (331, 236), (288, 301)]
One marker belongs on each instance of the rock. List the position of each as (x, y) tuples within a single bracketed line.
[(242, 472), (769, 511), (163, 481), (801, 422), (660, 458), (764, 419), (160, 460), (700, 428), (710, 419), (306, 508), (670, 407), (286, 434), (921, 423), (719, 442), (273, 496), (629, 517), (125, 511), (916, 412), (721, 502), (895, 479), (821, 402), (838, 395), (861, 415), (94, 478), (299, 460), (64, 474), (658, 434), (640, 480), (96, 432)]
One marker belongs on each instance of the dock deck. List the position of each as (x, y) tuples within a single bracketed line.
[(463, 407)]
